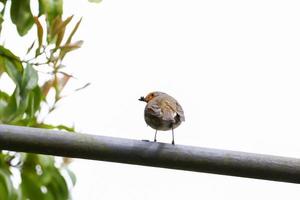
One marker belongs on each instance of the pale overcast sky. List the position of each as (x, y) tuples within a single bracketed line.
[(233, 65)]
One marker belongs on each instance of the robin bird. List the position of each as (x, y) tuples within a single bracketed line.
[(162, 112)]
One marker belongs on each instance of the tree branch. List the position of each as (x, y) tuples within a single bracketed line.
[(137, 152)]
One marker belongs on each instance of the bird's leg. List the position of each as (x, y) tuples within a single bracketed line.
[(173, 136), (155, 136)]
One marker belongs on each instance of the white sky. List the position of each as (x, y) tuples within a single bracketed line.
[(233, 66)]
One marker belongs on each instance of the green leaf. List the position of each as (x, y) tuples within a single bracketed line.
[(21, 15), (30, 78), (62, 25), (23, 122), (19, 114), (1, 21), (3, 186), (49, 196), (12, 71), (66, 128), (72, 46), (58, 185), (69, 47), (46, 161), (16, 107), (11, 109), (51, 27), (11, 64), (30, 48), (73, 32), (4, 98), (46, 87), (40, 33), (56, 30), (4, 157), (1, 65), (7, 53), (59, 30), (3, 1), (59, 37), (7, 191), (38, 97), (51, 8), (31, 185), (59, 127), (32, 181), (34, 101), (30, 161)]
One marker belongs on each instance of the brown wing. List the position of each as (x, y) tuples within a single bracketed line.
[(175, 107), (153, 109), (168, 113), (171, 109)]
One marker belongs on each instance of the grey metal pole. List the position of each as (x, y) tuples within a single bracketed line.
[(137, 152)]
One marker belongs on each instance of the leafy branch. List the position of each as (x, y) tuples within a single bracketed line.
[(41, 177)]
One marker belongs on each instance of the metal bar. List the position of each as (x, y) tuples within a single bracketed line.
[(154, 154)]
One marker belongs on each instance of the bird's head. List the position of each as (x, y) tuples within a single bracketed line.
[(150, 96)]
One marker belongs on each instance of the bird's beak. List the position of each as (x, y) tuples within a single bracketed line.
[(142, 99)]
